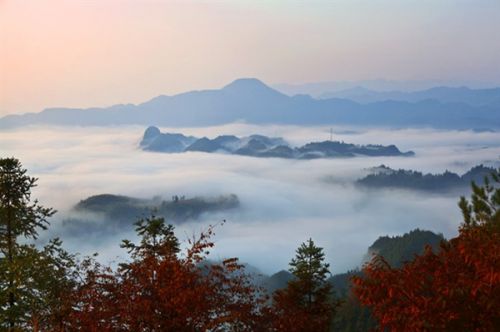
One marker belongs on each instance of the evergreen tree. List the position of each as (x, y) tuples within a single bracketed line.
[(307, 304), (311, 272), (484, 207), (19, 217), (157, 239)]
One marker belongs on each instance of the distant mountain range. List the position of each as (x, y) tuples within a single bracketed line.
[(260, 146), (386, 177), (252, 101), (477, 98), (317, 89)]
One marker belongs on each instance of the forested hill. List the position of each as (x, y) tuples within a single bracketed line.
[(385, 177), (114, 212), (402, 248)]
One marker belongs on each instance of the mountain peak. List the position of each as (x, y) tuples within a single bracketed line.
[(246, 84)]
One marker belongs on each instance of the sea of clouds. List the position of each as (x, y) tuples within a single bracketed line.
[(283, 202)]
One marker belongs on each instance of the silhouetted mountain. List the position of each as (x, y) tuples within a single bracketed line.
[(106, 213), (316, 89), (205, 145), (385, 177), (261, 146), (154, 140), (252, 101)]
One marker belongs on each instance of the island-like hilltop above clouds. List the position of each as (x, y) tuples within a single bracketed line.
[(260, 146), (252, 101)]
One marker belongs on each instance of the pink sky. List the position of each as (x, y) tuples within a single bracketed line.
[(98, 53)]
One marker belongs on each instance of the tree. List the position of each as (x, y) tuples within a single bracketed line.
[(484, 208), (457, 288), (159, 291), (307, 303), (157, 239), (46, 279), (19, 217)]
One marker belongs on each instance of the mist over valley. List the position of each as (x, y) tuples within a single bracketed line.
[(280, 202)]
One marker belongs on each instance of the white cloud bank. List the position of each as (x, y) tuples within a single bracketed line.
[(283, 202)]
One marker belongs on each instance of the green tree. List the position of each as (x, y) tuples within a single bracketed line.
[(311, 272), (307, 304), (19, 217), (157, 239), (45, 279), (484, 207)]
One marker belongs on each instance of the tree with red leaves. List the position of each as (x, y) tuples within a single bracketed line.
[(158, 291), (454, 289)]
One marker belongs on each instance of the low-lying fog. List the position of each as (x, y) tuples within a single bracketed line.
[(283, 202)]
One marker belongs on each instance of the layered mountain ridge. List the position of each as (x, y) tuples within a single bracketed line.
[(260, 146), (252, 101)]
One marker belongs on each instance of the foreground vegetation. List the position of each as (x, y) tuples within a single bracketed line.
[(451, 287)]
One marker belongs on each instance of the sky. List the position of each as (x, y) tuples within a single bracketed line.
[(98, 53)]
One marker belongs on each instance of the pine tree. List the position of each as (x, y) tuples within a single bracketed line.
[(484, 207), (19, 217), (158, 239), (307, 304), (311, 272)]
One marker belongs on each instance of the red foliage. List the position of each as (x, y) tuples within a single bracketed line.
[(455, 289), (167, 293), (291, 316)]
